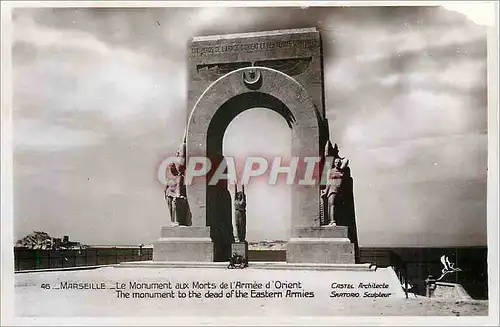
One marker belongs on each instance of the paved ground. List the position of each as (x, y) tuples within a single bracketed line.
[(34, 299)]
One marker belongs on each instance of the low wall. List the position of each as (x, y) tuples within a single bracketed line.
[(450, 291)]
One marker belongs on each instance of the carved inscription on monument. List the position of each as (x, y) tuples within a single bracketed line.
[(255, 46)]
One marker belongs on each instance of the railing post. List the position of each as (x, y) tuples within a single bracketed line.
[(430, 286), (405, 272)]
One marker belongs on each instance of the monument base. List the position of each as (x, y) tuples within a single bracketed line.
[(184, 243), (241, 249), (325, 244)]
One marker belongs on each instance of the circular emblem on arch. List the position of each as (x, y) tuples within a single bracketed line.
[(252, 78)]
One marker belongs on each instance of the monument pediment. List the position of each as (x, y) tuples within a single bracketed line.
[(289, 66)]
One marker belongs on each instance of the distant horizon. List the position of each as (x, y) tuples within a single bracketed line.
[(270, 241)]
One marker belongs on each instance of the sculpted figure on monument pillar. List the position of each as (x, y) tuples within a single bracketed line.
[(240, 215), (331, 195), (175, 190)]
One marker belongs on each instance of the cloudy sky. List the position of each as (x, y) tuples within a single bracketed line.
[(99, 100)]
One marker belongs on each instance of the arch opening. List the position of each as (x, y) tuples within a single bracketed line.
[(264, 133), (218, 197)]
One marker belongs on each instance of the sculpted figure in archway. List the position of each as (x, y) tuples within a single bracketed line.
[(240, 215), (175, 190), (332, 195)]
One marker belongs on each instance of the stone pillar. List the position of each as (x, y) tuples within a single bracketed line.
[(430, 286), (321, 244), (184, 243)]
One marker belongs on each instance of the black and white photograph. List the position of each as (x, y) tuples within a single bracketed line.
[(250, 160)]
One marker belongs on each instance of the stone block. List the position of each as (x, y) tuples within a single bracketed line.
[(185, 231), (200, 249), (320, 232), (240, 248), (320, 250)]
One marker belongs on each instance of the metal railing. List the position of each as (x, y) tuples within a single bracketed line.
[(387, 258), (28, 259)]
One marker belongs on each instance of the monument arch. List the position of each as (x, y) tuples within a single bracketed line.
[(278, 70), (217, 107), (228, 97)]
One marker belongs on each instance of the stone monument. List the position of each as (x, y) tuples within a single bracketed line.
[(239, 249), (228, 74)]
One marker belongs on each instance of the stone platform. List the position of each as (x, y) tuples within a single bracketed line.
[(241, 249), (252, 265), (32, 301), (336, 279), (325, 244), (361, 277), (318, 245), (184, 243)]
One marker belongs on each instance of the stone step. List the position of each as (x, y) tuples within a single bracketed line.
[(320, 232), (183, 249), (320, 250), (339, 240), (183, 239), (251, 265), (185, 231)]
